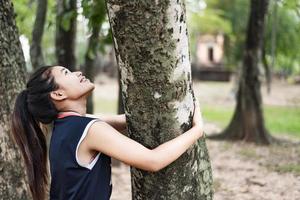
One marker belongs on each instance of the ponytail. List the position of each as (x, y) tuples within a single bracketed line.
[(30, 139), (33, 108)]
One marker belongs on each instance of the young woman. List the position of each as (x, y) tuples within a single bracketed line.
[(81, 145)]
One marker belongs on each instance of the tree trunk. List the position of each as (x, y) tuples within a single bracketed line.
[(267, 68), (12, 80), (66, 33), (96, 17), (116, 162), (36, 54), (151, 45), (89, 66), (120, 101), (248, 122)]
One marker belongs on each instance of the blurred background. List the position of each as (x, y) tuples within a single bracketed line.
[(217, 31)]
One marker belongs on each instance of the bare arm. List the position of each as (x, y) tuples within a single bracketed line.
[(104, 138)]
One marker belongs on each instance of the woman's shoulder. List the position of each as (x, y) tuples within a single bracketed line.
[(77, 125)]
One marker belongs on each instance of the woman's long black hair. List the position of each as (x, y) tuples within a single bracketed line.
[(32, 107)]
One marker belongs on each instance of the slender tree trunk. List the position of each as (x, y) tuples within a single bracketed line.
[(274, 32), (96, 17), (12, 80), (89, 66), (268, 72), (248, 122), (66, 33), (36, 53), (151, 45)]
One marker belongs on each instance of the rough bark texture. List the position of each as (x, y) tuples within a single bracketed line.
[(120, 111), (36, 53), (151, 45), (120, 102), (65, 39), (12, 80), (248, 122)]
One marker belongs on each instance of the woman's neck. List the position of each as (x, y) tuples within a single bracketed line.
[(78, 107), (70, 112)]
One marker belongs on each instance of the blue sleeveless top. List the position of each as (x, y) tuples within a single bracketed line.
[(70, 179)]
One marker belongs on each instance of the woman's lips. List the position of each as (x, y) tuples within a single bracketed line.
[(84, 80)]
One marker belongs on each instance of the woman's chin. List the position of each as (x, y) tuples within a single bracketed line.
[(93, 85)]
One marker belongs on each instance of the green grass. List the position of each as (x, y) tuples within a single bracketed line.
[(286, 168), (282, 119), (279, 119), (220, 115)]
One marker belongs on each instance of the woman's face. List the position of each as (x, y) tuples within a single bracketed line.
[(72, 85)]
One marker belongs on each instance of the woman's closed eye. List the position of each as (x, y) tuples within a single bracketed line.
[(66, 71)]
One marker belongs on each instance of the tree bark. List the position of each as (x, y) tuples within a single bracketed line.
[(36, 53), (151, 45), (116, 162), (66, 33), (248, 121), (120, 101), (12, 80)]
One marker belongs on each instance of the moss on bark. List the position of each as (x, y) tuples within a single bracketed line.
[(151, 45)]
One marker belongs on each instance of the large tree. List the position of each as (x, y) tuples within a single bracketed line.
[(248, 121), (65, 36), (151, 45), (12, 80)]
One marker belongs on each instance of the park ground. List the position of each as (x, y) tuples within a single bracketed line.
[(240, 171)]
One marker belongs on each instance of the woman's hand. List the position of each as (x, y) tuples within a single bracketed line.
[(197, 118)]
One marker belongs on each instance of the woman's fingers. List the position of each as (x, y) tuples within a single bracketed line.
[(197, 119)]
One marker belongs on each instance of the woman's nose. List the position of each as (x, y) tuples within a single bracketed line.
[(79, 73)]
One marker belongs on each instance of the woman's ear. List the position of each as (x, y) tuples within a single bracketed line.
[(58, 95)]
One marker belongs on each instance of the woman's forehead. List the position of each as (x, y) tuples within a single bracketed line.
[(58, 70)]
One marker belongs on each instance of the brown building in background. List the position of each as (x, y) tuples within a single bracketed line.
[(209, 61)]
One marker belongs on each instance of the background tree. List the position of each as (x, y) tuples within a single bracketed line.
[(284, 57), (66, 33), (151, 46), (12, 80), (26, 11), (36, 53), (229, 16), (248, 122), (234, 13), (94, 11)]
